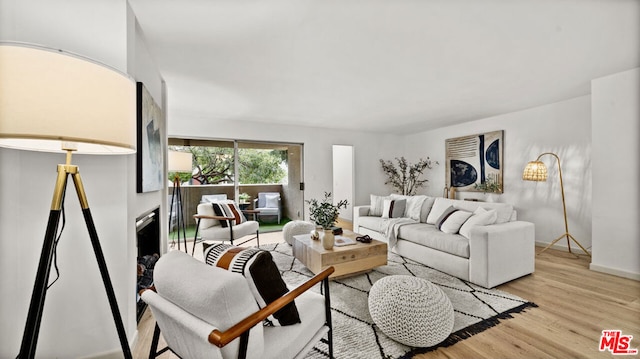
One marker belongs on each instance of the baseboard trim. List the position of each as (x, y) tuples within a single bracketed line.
[(614, 271), (594, 267)]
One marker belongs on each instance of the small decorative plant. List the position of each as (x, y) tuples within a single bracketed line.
[(490, 185), (324, 213), (244, 197), (406, 177)]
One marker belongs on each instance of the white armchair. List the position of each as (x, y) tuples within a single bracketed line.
[(214, 314), (210, 227), (269, 204), (210, 198)]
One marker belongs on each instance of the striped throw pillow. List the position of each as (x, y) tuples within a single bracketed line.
[(261, 273), (228, 209)]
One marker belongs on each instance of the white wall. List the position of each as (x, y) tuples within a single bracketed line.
[(318, 142), (616, 168), (563, 128), (77, 321)]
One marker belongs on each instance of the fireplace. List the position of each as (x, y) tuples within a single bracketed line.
[(148, 241)]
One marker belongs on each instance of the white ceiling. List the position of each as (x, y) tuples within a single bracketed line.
[(397, 66)]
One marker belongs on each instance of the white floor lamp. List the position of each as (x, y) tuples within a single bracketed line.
[(57, 102), (179, 162), (537, 171)]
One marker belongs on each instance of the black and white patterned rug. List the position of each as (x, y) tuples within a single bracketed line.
[(354, 333)]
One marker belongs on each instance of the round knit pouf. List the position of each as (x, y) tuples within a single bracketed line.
[(295, 228), (411, 310)]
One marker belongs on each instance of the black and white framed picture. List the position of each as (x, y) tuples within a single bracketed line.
[(150, 152)]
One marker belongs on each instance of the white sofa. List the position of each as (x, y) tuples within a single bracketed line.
[(489, 255)]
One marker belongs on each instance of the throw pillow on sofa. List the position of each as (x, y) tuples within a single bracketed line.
[(261, 273), (414, 205), (437, 210), (451, 221), (481, 217), (393, 208), (377, 205)]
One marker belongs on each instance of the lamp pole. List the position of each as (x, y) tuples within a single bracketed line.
[(564, 210), (36, 306)]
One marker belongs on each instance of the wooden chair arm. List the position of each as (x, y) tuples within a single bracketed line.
[(220, 339), (220, 218), (152, 288)]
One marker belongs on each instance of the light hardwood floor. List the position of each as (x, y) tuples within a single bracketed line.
[(575, 305)]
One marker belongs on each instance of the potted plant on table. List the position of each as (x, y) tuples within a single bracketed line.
[(324, 213)]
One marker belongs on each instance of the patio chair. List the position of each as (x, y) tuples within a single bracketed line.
[(269, 204), (213, 314)]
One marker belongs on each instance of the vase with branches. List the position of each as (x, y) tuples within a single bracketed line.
[(405, 177)]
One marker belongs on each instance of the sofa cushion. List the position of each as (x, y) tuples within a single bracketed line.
[(429, 236), (393, 208), (503, 210), (426, 208), (414, 205), (373, 223), (443, 217), (261, 273), (377, 205), (454, 221), (480, 217), (437, 210)]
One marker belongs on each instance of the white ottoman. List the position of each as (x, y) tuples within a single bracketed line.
[(411, 310), (295, 228)]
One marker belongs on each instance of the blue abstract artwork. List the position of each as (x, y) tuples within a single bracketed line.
[(473, 160)]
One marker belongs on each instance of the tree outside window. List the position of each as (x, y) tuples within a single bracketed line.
[(215, 165)]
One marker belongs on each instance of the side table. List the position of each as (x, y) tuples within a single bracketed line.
[(253, 212)]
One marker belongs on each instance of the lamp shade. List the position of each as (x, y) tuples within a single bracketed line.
[(180, 161), (48, 97), (535, 171)]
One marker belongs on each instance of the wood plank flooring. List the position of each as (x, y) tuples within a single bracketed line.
[(575, 305)]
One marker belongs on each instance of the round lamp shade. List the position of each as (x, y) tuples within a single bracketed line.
[(180, 162), (535, 171), (48, 97)]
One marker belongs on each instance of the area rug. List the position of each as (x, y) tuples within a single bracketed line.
[(354, 333)]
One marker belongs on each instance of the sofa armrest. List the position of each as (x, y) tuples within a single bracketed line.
[(499, 253), (359, 211)]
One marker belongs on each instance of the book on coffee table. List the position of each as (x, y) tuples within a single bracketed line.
[(343, 241)]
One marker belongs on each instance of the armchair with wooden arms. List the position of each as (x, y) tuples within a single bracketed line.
[(214, 314), (222, 227)]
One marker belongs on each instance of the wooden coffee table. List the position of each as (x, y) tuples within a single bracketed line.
[(347, 260)]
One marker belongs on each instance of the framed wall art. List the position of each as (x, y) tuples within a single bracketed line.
[(150, 154), (475, 163)]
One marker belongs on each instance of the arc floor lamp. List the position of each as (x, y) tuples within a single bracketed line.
[(178, 162), (54, 101), (537, 171)]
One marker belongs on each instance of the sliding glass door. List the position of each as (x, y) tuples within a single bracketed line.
[(242, 169)]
